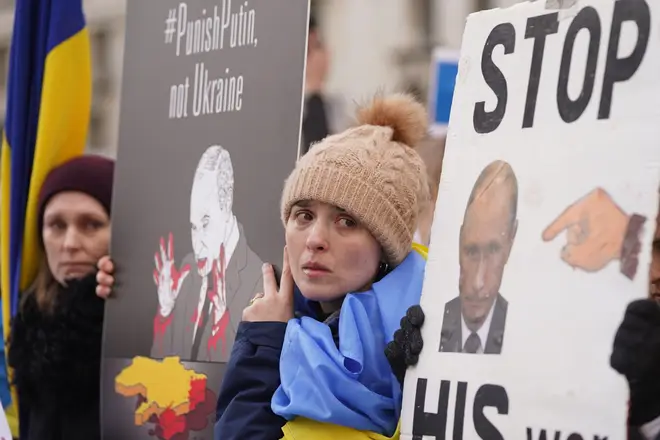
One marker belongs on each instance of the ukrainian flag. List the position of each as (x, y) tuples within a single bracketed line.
[(48, 106)]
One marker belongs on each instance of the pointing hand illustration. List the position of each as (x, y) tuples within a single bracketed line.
[(595, 231)]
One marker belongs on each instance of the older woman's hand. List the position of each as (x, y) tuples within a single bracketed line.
[(104, 277), (273, 305)]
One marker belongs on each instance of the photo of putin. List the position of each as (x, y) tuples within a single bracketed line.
[(474, 322)]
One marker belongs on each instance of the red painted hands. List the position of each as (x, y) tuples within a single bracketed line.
[(167, 277)]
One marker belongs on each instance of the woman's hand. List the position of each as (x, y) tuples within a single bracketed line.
[(104, 277), (273, 305)]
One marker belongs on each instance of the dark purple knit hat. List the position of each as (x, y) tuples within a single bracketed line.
[(90, 174)]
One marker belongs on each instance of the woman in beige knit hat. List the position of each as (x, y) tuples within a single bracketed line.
[(309, 359)]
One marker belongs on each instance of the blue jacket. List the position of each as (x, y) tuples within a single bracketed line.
[(252, 376)]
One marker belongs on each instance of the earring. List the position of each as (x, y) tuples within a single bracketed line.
[(383, 268)]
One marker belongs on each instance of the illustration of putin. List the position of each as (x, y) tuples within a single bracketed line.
[(475, 321), (200, 305)]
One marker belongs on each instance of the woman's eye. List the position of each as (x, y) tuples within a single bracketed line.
[(304, 216), (93, 225), (57, 225), (347, 222)]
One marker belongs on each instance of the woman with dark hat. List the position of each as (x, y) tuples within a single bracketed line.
[(55, 340)]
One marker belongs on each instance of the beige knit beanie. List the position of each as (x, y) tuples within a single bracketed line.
[(371, 171)]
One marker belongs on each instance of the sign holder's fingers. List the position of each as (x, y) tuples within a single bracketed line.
[(105, 265), (270, 283), (286, 281), (255, 298), (570, 216), (156, 281)]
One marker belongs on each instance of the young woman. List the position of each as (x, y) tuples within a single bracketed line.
[(350, 209), (55, 340)]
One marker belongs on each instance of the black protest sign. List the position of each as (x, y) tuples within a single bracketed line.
[(209, 129)]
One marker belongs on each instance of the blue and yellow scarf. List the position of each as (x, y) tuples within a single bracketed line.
[(351, 385)]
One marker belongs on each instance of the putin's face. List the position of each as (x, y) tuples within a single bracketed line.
[(209, 223), (486, 238)]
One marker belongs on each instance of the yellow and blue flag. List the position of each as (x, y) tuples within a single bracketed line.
[(48, 107)]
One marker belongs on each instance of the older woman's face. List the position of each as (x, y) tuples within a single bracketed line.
[(330, 253), (76, 234)]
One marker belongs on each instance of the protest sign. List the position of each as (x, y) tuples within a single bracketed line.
[(5, 432), (543, 226), (209, 129), (444, 67)]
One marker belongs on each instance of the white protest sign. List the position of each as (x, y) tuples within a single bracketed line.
[(444, 67), (5, 432), (543, 225)]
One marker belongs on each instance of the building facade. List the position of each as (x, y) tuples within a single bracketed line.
[(373, 44), (105, 20)]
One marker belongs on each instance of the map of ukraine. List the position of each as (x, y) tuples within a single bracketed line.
[(167, 390)]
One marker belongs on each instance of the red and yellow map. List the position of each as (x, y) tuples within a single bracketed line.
[(168, 392)]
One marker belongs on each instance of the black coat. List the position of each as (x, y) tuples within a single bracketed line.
[(56, 360), (315, 126)]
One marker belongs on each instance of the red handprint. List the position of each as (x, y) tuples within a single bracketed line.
[(167, 278)]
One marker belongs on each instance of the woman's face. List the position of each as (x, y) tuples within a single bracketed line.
[(76, 234), (330, 253)]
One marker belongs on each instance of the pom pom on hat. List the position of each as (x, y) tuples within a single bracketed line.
[(372, 171), (402, 113)]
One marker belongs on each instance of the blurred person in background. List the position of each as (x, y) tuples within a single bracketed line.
[(322, 114), (55, 340), (316, 125)]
